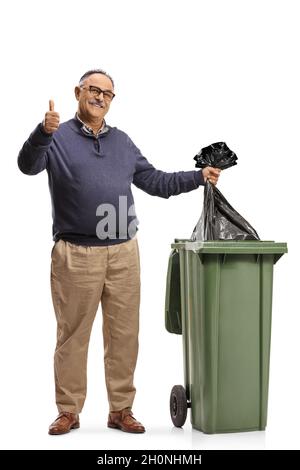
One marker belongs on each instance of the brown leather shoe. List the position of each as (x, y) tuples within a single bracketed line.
[(64, 423), (125, 421)]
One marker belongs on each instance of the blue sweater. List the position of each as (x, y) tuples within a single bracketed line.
[(85, 171)]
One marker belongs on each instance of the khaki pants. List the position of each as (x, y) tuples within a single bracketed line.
[(81, 277)]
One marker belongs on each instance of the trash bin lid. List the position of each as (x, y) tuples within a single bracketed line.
[(232, 247)]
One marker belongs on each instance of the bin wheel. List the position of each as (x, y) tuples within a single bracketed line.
[(178, 405)]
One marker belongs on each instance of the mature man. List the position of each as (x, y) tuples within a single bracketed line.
[(90, 167)]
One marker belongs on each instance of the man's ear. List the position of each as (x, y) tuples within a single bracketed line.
[(77, 92)]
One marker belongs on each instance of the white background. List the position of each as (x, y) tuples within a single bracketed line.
[(187, 74)]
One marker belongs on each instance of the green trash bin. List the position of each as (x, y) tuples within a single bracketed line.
[(219, 297)]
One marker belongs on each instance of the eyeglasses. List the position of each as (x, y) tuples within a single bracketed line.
[(96, 92)]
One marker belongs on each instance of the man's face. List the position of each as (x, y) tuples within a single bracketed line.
[(90, 105)]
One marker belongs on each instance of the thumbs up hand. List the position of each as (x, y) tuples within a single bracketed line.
[(51, 121)]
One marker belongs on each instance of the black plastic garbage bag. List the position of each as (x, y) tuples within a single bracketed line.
[(217, 155), (220, 221)]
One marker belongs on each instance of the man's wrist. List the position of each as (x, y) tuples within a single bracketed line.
[(201, 177), (43, 130)]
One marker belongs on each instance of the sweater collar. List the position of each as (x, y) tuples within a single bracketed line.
[(88, 130)]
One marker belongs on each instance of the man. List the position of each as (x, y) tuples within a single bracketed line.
[(90, 167)]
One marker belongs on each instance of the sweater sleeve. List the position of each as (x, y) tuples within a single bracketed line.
[(160, 183), (33, 157)]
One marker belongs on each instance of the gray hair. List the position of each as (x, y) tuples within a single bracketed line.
[(91, 72)]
